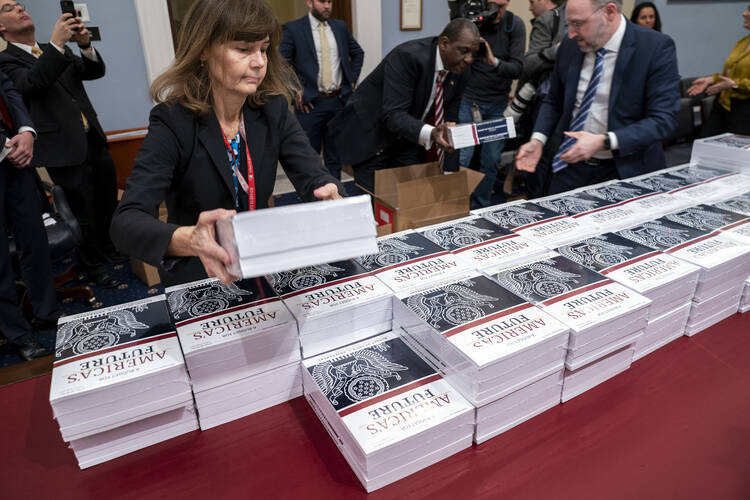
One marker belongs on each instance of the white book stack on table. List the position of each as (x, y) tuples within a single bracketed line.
[(482, 244), (335, 304), (741, 205), (503, 354), (643, 204), (593, 211), (661, 182), (271, 240), (701, 184), (119, 382), (389, 411), (407, 260), (241, 347), (538, 224), (668, 281), (606, 318), (724, 266), (730, 151)]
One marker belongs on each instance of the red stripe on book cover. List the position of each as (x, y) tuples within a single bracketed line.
[(691, 242), (227, 310), (527, 226), (410, 262), (486, 319), (702, 182), (629, 262), (114, 348), (474, 133), (389, 394), (585, 289), (735, 224), (330, 283), (488, 242)]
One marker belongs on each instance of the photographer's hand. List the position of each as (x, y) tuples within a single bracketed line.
[(489, 57)]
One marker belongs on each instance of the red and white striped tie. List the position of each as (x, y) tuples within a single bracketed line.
[(439, 111)]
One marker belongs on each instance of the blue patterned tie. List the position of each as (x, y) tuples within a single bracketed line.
[(583, 111)]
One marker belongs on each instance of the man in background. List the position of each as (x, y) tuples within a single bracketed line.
[(614, 96), (486, 94), (327, 60), (70, 143), (400, 110)]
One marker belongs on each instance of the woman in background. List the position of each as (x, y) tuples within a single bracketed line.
[(646, 15), (214, 139), (731, 110)]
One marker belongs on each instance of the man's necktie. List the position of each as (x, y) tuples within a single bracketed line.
[(38, 52), (583, 111), (439, 111), (326, 78)]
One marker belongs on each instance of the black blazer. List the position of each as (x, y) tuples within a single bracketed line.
[(52, 88), (183, 160), (14, 103), (389, 103), (298, 48)]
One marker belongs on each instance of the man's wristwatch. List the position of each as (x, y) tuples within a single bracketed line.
[(607, 143)]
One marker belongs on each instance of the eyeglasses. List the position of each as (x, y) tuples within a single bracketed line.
[(576, 25), (10, 7)]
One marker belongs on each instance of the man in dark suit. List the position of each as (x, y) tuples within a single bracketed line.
[(20, 206), (70, 142), (613, 98), (327, 60), (387, 121)]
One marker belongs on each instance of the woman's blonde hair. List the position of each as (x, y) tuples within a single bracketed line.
[(215, 22)]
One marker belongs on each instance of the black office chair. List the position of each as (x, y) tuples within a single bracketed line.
[(63, 236)]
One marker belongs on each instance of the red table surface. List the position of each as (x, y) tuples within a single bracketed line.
[(675, 425)]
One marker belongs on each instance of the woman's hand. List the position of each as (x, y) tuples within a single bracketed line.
[(700, 85), (723, 84), (200, 241), (328, 191)]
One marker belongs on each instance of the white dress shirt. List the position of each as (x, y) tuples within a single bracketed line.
[(425, 134), (333, 50), (596, 121), (89, 53)]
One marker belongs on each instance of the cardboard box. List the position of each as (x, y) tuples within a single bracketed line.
[(465, 135), (420, 195)]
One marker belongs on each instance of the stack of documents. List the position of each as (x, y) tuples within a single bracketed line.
[(240, 344), (730, 151), (119, 382), (605, 317), (594, 211), (389, 411), (335, 304), (503, 354)]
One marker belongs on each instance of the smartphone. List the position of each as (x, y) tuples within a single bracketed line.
[(68, 7)]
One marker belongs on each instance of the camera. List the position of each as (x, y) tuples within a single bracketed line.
[(480, 12)]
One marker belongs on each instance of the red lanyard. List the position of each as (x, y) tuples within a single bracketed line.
[(247, 185)]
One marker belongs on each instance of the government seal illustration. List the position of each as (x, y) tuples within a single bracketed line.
[(654, 234), (390, 251), (615, 193), (455, 304), (304, 278), (207, 299), (596, 252), (700, 219), (569, 205), (457, 235), (538, 278), (93, 334), (513, 216)]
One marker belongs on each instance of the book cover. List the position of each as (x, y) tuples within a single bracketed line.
[(706, 217), (383, 391), (97, 349), (208, 313), (570, 292), (733, 141), (737, 204), (537, 223), (318, 290)]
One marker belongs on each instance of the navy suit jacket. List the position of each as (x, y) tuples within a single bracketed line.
[(643, 102), (14, 102), (298, 48)]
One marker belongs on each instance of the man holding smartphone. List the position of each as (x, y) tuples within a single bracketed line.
[(70, 143)]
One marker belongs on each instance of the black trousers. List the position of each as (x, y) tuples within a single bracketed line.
[(399, 154), (20, 211), (315, 125), (736, 121), (91, 190)]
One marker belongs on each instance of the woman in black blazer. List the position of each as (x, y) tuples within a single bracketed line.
[(214, 139)]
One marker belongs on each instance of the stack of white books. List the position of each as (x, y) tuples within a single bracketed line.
[(701, 184), (389, 411), (643, 204), (668, 281), (407, 260), (731, 224), (482, 244), (739, 204), (240, 344), (271, 240), (662, 182), (119, 382), (594, 211), (504, 355), (724, 266), (605, 317), (745, 302), (538, 224), (335, 304), (728, 150)]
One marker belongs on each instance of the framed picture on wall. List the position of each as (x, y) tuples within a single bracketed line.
[(411, 15)]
